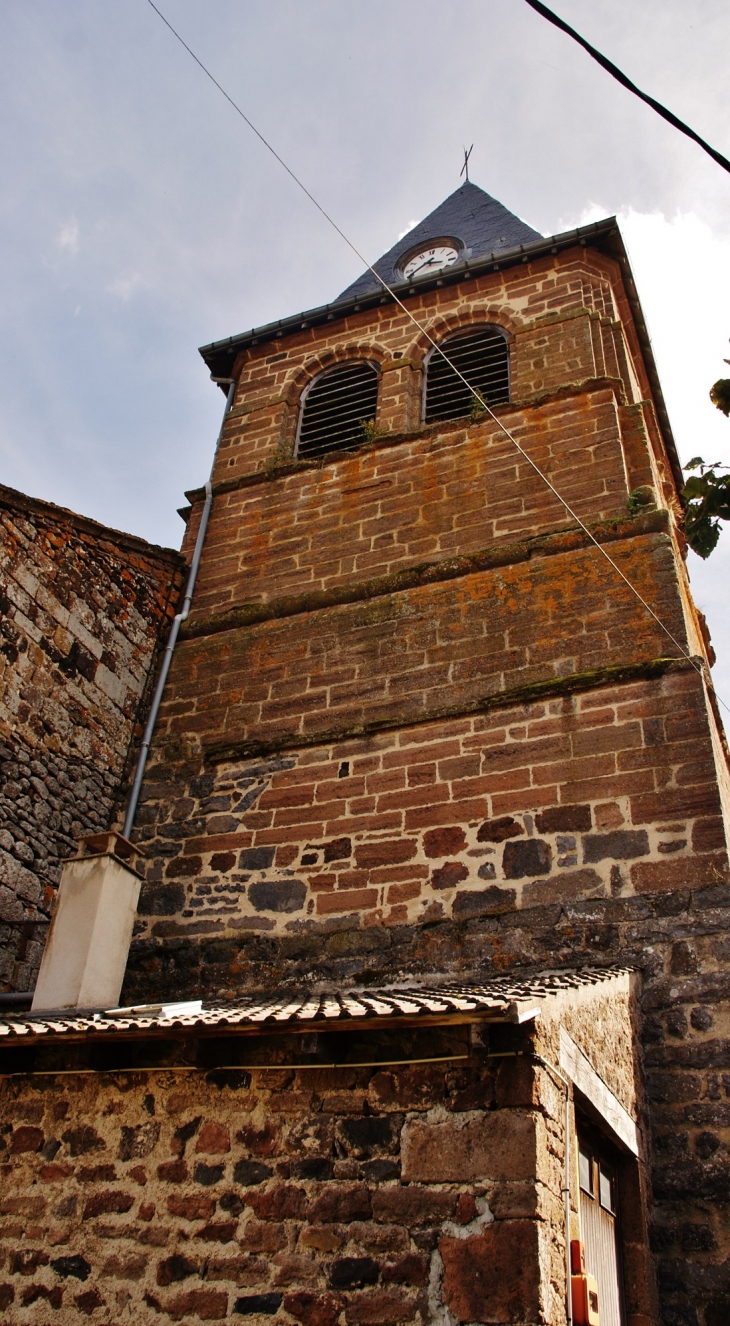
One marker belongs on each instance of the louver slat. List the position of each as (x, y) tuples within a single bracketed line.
[(483, 358), (335, 408)]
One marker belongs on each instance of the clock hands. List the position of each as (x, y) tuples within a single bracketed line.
[(428, 263), (433, 261)]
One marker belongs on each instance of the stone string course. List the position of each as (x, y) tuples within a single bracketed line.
[(81, 607)]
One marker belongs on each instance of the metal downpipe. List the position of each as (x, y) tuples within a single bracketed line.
[(177, 622)]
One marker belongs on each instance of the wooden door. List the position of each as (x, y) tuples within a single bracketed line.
[(599, 1225)]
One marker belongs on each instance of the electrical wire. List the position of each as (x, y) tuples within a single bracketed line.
[(683, 652), (626, 82)]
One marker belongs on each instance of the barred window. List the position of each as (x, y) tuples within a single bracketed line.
[(482, 355), (336, 408)]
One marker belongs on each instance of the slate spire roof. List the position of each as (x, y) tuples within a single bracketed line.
[(482, 224)]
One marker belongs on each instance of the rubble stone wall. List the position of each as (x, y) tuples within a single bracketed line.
[(81, 612), (349, 1197)]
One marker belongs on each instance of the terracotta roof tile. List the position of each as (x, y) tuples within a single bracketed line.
[(450, 999)]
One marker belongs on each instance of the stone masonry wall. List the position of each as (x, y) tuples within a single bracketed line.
[(456, 742), (446, 491), (573, 829), (349, 1197), (566, 318), (610, 793), (434, 648), (81, 611)]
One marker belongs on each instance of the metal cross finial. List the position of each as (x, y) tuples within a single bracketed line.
[(465, 168)]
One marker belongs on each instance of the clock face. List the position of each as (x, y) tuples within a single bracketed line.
[(433, 258)]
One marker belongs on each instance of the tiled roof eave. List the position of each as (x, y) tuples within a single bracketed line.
[(399, 1006)]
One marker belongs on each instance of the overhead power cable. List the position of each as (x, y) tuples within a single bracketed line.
[(424, 332), (626, 82)]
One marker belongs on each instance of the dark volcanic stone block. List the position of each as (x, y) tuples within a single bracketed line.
[(278, 895)]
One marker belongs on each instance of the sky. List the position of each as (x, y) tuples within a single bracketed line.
[(140, 218)]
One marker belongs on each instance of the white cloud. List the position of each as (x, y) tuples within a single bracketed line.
[(682, 272), (409, 227), (125, 286), (68, 236)]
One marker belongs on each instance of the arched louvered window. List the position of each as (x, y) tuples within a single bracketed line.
[(481, 354), (336, 407)]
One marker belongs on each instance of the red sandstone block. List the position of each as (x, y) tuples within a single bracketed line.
[(405, 891), (607, 738), (346, 901), (258, 819), (709, 835), (291, 833), (427, 817), (340, 1202), (205, 1304), (335, 789), (489, 784), (485, 1269), (577, 770), (694, 872), (504, 803), (362, 805), (193, 1207), (601, 789), (322, 883), (379, 1307), (387, 781), (430, 748), (421, 775), (385, 874), (213, 1139), (276, 798), (349, 824), (221, 842), (301, 815), (352, 879), (674, 803), (432, 794), (461, 767)]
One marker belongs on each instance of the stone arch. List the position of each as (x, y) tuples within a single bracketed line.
[(329, 357), (461, 320)]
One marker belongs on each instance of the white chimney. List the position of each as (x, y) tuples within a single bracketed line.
[(88, 943)]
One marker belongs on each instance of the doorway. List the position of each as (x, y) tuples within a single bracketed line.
[(599, 1222)]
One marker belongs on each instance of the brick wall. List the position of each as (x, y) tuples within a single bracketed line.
[(81, 609)]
